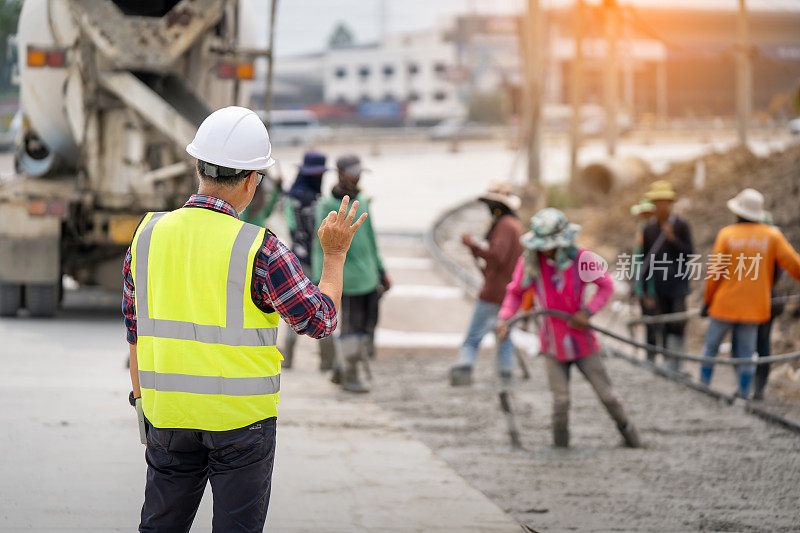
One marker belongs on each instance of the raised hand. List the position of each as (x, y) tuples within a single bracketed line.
[(337, 230)]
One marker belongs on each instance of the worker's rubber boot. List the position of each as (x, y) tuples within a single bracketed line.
[(327, 353), (461, 376), (630, 435), (352, 346), (370, 340), (759, 385), (336, 375), (560, 437), (675, 343)]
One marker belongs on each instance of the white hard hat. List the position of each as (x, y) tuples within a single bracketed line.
[(233, 137), (748, 204)]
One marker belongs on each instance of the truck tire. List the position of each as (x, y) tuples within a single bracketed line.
[(10, 299), (41, 300)]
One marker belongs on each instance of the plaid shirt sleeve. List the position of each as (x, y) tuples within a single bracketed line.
[(279, 284), (129, 299)]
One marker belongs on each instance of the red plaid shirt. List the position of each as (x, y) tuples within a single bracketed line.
[(278, 284)]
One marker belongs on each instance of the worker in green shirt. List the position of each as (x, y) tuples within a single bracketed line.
[(365, 279)]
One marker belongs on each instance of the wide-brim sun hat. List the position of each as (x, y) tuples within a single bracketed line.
[(501, 193), (313, 164), (550, 229), (660, 190), (748, 204), (350, 164)]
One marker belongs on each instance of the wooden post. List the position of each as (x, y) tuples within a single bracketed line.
[(744, 78), (661, 89), (611, 74), (533, 42), (629, 97), (270, 59), (576, 90)]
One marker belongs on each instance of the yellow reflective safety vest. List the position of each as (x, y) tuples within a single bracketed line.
[(206, 353)]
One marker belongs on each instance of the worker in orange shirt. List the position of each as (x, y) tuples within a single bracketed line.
[(739, 279)]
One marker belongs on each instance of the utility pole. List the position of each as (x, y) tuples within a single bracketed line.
[(628, 98), (270, 59), (576, 90), (611, 74), (532, 94), (744, 78), (383, 15)]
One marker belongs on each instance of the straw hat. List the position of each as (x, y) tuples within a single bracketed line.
[(660, 190), (644, 206), (550, 229), (502, 193), (748, 204)]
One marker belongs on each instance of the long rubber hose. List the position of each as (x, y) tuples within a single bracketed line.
[(672, 353)]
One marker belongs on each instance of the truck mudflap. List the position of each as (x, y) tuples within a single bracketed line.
[(30, 263)]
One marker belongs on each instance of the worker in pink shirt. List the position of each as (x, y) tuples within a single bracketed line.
[(557, 271)]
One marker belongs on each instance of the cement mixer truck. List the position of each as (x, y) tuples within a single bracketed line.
[(110, 92)]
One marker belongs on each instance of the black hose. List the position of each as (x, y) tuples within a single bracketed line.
[(671, 353)]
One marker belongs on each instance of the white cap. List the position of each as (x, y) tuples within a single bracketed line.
[(233, 137), (748, 204)]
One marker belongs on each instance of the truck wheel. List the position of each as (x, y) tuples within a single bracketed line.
[(10, 298), (41, 300)]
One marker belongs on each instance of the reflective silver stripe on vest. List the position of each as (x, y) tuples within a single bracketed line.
[(189, 331), (149, 379), (142, 253), (234, 334)]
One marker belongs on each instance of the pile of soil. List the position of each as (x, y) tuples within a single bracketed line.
[(776, 176), (609, 227)]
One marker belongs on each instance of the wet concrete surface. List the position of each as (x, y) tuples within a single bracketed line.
[(705, 465)]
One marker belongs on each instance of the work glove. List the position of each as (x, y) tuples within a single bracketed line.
[(704, 310)]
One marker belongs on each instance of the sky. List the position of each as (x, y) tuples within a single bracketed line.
[(303, 26)]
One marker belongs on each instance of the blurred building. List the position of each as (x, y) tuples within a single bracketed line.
[(675, 62), (680, 62), (411, 74)]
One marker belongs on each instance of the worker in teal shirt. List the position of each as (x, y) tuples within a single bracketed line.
[(365, 280)]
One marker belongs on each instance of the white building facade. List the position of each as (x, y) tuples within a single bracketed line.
[(412, 69)]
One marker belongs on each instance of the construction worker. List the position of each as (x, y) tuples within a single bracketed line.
[(667, 248), (203, 292), (365, 280), (557, 271), (739, 278), (499, 258), (300, 212), (644, 212)]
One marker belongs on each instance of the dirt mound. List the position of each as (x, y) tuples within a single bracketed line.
[(776, 176), (609, 227)]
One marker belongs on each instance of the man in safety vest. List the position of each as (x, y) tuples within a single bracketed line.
[(203, 293)]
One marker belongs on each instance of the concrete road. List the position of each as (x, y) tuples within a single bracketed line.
[(71, 459)]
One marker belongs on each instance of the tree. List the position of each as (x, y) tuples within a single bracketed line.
[(342, 36), (9, 15)]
